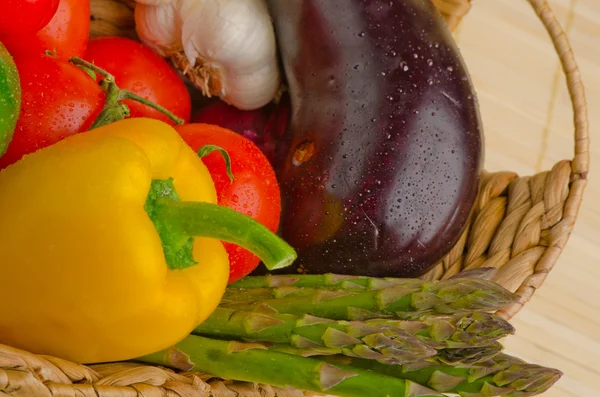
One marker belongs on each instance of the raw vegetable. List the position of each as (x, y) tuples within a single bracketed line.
[(386, 150), (462, 356), (107, 262), (330, 280), (65, 36), (254, 191), (253, 362), (348, 282), (381, 342), (500, 375), (248, 123), (26, 16), (461, 331), (140, 70), (458, 295), (10, 98), (266, 127), (226, 48), (60, 100)]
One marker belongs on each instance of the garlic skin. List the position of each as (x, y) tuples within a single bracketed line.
[(154, 2), (159, 27), (226, 48)]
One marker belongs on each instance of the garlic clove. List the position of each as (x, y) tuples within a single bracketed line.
[(161, 27), (252, 90), (230, 32)]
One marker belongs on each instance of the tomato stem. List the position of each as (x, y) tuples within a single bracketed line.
[(207, 149), (113, 109), (110, 115), (125, 94), (83, 63)]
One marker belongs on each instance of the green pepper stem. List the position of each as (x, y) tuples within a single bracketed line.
[(214, 221)]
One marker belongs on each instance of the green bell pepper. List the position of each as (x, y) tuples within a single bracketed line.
[(10, 98)]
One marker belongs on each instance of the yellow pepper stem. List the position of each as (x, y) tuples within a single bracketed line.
[(178, 222), (222, 223)]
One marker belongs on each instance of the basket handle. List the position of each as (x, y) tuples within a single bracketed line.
[(581, 159), (579, 166), (453, 12)]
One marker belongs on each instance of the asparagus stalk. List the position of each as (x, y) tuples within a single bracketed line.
[(452, 296), (339, 281), (502, 375), (331, 280), (252, 289), (233, 295), (380, 341), (452, 357), (255, 363)]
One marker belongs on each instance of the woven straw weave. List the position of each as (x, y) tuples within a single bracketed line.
[(519, 225)]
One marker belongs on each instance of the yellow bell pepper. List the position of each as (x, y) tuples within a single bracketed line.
[(98, 258)]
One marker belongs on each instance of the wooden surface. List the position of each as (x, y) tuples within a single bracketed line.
[(528, 127)]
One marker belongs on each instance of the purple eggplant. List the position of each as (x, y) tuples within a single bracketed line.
[(385, 146)]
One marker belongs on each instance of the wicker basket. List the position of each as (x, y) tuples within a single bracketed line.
[(519, 225)]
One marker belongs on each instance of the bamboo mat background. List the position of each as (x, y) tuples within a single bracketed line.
[(528, 125)]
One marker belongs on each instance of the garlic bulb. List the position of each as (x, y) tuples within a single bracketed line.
[(225, 47)]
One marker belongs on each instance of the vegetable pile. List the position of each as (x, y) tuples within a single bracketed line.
[(338, 143)]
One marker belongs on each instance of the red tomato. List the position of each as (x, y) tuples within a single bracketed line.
[(26, 16), (140, 70), (254, 192), (58, 100), (66, 34)]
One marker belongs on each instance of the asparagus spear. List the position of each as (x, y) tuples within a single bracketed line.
[(251, 289), (380, 341), (502, 375), (444, 297), (340, 281), (233, 295), (444, 356), (254, 363), (329, 280)]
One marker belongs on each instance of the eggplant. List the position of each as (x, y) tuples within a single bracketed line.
[(385, 147)]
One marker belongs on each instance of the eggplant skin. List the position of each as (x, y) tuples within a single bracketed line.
[(385, 147)]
